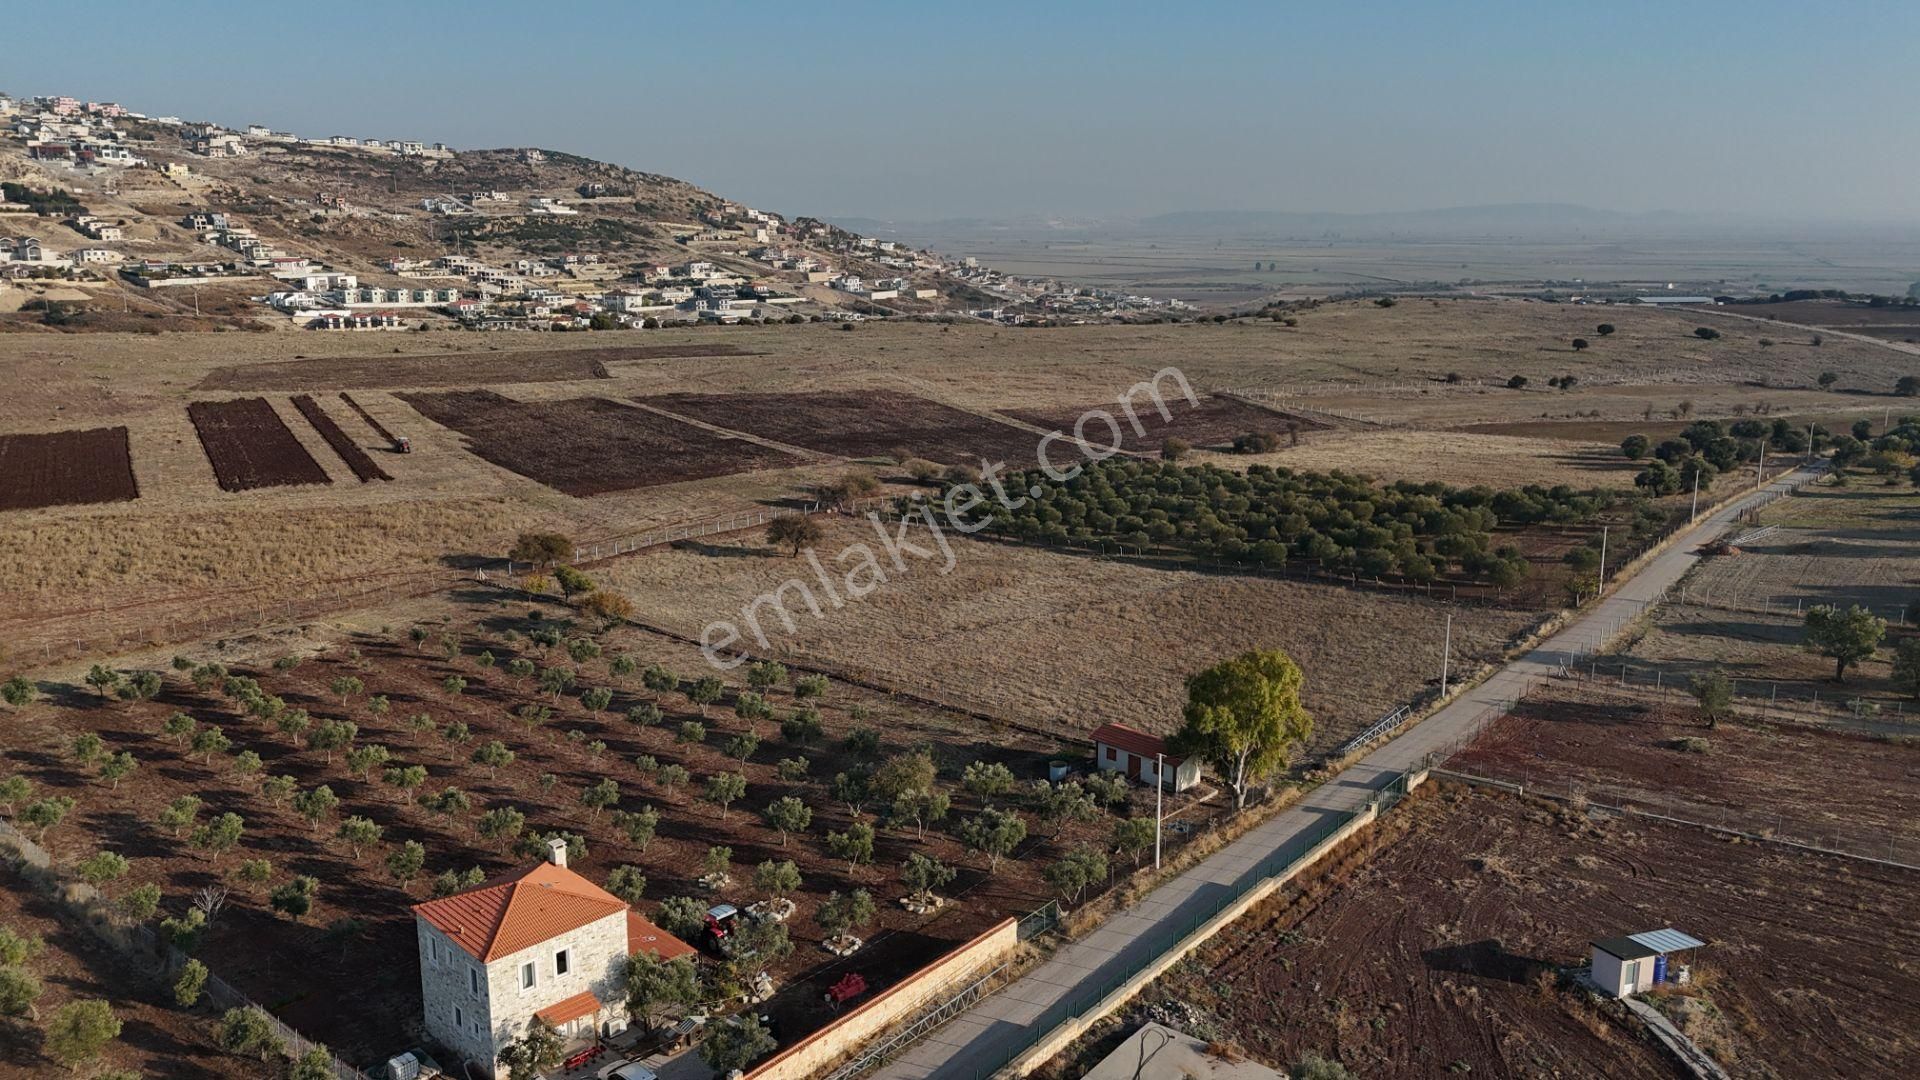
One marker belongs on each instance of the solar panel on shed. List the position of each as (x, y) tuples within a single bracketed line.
[(1667, 941)]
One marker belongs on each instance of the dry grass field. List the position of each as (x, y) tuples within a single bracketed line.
[(1059, 639), (1460, 458)]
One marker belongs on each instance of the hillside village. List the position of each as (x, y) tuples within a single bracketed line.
[(339, 233)]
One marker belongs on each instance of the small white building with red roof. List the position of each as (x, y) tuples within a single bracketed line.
[(538, 942), (1140, 756)]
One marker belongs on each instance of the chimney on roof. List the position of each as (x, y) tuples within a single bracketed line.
[(557, 852)]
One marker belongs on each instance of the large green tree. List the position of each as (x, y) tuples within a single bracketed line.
[(1244, 717), (1845, 637)]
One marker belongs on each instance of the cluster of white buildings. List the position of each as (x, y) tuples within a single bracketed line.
[(213, 140)]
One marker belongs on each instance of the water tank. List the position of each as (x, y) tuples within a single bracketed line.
[(1057, 770), (403, 1067), (1660, 969)]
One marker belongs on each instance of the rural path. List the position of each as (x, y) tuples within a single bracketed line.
[(981, 1040)]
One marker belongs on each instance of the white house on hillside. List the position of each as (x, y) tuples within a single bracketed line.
[(540, 942)]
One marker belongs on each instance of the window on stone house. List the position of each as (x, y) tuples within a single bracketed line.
[(527, 976), (562, 961)]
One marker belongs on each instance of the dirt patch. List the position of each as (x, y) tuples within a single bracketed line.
[(589, 446), (445, 369), (349, 451), (1626, 749), (250, 447), (860, 424), (1437, 954), (63, 468)]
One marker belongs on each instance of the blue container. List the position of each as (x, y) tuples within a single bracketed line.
[(1660, 969)]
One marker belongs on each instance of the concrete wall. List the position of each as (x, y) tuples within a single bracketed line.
[(1063, 1036), (891, 1006)]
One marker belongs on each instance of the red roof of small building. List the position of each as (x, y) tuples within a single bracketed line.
[(570, 1009), (644, 937), (1134, 741), (519, 910)]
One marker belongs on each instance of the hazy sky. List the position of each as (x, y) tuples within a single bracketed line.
[(911, 109)]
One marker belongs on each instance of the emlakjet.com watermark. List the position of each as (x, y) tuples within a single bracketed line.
[(860, 569)]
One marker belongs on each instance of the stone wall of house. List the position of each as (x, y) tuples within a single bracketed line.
[(598, 956), (501, 1011), (446, 985)]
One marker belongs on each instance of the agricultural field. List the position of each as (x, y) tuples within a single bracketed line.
[(350, 452), (1432, 948), (864, 424), (250, 447), (157, 1038), (64, 468), (1893, 322), (1068, 641), (1213, 424), (1743, 612), (568, 760), (590, 446), (478, 368), (185, 550), (1838, 788)]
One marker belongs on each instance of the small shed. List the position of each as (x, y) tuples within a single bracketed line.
[(1624, 966), (1119, 748)]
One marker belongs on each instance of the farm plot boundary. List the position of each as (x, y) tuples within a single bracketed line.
[(66, 468), (350, 452), (250, 447), (379, 428), (590, 446)]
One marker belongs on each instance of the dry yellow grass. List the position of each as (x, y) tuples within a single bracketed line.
[(1046, 637), (1450, 457)]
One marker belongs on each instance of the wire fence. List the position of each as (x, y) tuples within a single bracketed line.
[(1710, 595), (145, 950), (1759, 695), (1289, 857)]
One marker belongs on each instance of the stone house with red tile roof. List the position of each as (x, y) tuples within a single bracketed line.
[(537, 942)]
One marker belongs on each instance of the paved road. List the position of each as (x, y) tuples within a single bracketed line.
[(980, 1040)]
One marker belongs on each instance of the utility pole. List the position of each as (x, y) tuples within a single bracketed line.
[(1603, 555), (1694, 513), (1159, 787), (1446, 656)]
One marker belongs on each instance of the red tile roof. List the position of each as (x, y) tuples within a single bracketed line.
[(644, 937), (570, 1009), (519, 910), (1134, 741)]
